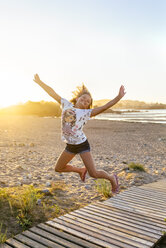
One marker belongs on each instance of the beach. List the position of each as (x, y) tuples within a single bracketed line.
[(30, 146)]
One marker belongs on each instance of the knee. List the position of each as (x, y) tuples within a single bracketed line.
[(93, 174)]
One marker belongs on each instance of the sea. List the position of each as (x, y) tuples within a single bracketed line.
[(130, 115)]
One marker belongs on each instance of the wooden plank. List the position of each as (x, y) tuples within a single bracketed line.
[(120, 209), (54, 238), (16, 243), (144, 202), (109, 227), (118, 213), (6, 246), (42, 240), (157, 190), (121, 224), (119, 237), (141, 201), (132, 219), (136, 209), (116, 226), (132, 207), (139, 205), (154, 189), (85, 234), (28, 241), (126, 221), (144, 192), (143, 195), (156, 195), (67, 236)]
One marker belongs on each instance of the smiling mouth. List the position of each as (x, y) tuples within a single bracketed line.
[(82, 105)]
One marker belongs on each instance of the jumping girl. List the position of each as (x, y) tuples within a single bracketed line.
[(75, 114)]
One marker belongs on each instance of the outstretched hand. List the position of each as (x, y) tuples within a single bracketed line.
[(122, 91), (36, 78)]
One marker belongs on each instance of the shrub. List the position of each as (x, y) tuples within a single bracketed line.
[(3, 236), (136, 166), (3, 195), (26, 203), (103, 187), (28, 199)]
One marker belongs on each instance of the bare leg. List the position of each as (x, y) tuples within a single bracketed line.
[(63, 166), (89, 163)]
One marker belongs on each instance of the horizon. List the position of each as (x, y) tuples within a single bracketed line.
[(101, 43), (94, 100)]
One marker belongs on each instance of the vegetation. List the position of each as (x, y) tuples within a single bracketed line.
[(104, 187), (34, 108), (25, 206), (43, 108), (164, 232), (136, 166), (3, 236), (131, 104)]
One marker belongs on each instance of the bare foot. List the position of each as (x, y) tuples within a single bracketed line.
[(82, 173)]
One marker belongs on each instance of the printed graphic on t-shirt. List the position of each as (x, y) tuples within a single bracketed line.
[(68, 121), (73, 120)]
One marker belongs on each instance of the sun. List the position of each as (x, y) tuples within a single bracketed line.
[(8, 96), (6, 102)]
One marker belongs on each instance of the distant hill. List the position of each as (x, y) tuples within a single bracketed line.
[(33, 108), (131, 104), (43, 108)]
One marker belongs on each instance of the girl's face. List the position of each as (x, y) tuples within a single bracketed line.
[(83, 102), (69, 118), (69, 115)]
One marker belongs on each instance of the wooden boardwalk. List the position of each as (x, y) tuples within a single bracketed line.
[(133, 218)]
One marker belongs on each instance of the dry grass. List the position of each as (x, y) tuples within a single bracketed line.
[(103, 187), (136, 166), (25, 206)]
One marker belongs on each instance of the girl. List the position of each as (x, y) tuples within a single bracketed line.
[(75, 114)]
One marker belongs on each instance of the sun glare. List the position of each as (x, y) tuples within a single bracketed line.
[(7, 102), (9, 96)]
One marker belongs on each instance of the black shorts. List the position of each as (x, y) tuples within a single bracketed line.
[(80, 148)]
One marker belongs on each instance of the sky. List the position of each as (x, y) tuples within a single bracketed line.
[(102, 43)]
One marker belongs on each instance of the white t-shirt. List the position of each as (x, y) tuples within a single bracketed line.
[(73, 120)]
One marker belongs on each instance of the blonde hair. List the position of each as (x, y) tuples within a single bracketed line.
[(81, 90)]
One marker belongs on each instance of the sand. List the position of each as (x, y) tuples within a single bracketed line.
[(30, 146)]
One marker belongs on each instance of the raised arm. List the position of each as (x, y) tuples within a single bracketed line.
[(47, 88), (109, 104)]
